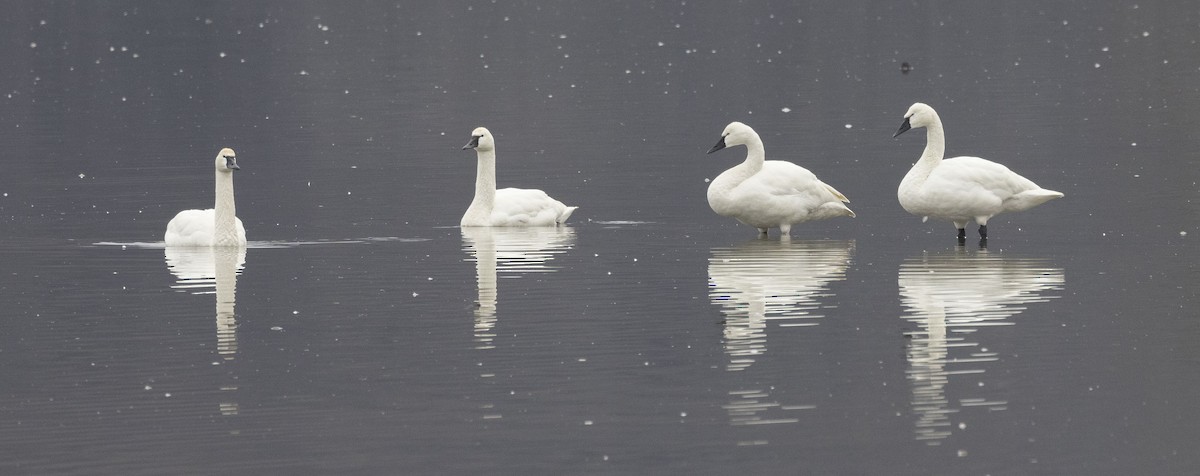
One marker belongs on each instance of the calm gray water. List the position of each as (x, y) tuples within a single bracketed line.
[(362, 332)]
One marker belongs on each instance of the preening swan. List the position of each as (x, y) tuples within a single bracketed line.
[(217, 226), (507, 206), (769, 193), (961, 189)]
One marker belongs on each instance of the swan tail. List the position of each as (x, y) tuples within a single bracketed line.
[(1052, 194), (1030, 198), (834, 209), (566, 213)]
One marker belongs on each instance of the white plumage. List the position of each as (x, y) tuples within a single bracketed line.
[(507, 206), (217, 226), (769, 193), (961, 189)]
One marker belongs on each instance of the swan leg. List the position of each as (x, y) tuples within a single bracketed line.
[(785, 230), (962, 231), (762, 231), (983, 232)]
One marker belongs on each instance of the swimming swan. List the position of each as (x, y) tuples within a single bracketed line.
[(507, 206), (961, 189), (218, 226), (769, 193)]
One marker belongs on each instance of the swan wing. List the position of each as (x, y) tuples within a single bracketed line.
[(241, 230), (970, 187), (528, 207), (191, 228), (783, 192), (976, 180)]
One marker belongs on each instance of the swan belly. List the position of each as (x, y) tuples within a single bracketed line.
[(198, 228), (527, 207)]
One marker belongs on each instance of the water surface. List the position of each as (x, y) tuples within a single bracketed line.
[(364, 332)]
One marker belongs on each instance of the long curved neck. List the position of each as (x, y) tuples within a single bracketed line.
[(935, 150), (485, 179), (224, 229), (755, 155)]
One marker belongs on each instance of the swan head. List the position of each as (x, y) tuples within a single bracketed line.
[(481, 139), (227, 161), (735, 133), (919, 115)]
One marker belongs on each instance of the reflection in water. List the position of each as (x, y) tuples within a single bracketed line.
[(952, 297), (508, 250), (762, 281), (209, 270)]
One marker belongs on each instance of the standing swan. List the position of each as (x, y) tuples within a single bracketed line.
[(961, 189), (217, 226), (769, 193), (507, 206)]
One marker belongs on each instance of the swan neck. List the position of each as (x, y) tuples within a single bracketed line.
[(224, 211), (730, 179), (935, 150), (755, 155), (485, 178), (935, 143)]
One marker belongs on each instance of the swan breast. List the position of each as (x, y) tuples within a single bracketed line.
[(196, 228)]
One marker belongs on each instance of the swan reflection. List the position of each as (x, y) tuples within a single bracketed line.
[(207, 270), (769, 281), (952, 298), (510, 251)]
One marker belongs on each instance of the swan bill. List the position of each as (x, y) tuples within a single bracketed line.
[(720, 145), (473, 144), (903, 127)]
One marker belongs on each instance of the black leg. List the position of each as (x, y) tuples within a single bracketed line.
[(983, 232), (962, 234)]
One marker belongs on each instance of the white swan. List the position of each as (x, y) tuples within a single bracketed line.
[(507, 206), (769, 193), (217, 226), (961, 189)]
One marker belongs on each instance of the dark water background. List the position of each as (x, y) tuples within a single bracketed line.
[(363, 332)]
